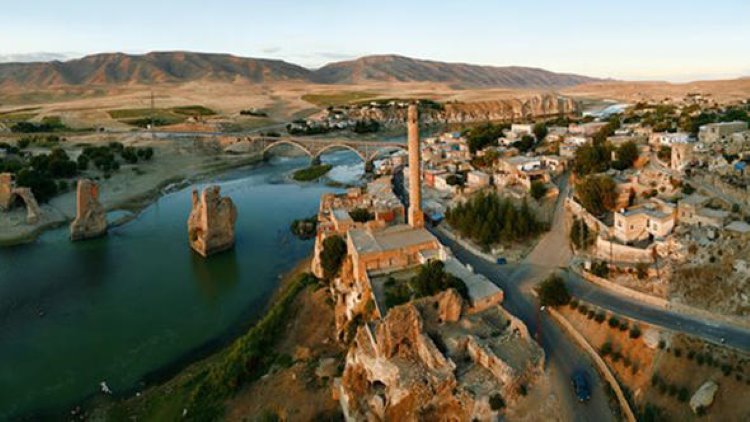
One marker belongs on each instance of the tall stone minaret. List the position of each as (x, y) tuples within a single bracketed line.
[(416, 216)]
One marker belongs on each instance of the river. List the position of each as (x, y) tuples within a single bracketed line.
[(138, 304)]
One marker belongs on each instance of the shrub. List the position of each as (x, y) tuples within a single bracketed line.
[(497, 402), (583, 309), (600, 317), (624, 326), (332, 255), (573, 304), (606, 349), (613, 322), (677, 352), (690, 354), (590, 314), (361, 215), (552, 291), (683, 395), (654, 380), (662, 344), (635, 332)]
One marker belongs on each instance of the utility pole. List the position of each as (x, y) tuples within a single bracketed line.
[(152, 114)]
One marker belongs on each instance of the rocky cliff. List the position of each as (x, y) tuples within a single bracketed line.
[(211, 222), (91, 219), (523, 107)]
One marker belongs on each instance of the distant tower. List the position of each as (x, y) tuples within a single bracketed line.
[(416, 216)]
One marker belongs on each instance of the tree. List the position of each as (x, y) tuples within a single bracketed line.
[(597, 194), (526, 143), (552, 291), (432, 279), (361, 215), (538, 190), (627, 154), (580, 235), (479, 137), (332, 255), (540, 131), (592, 158)]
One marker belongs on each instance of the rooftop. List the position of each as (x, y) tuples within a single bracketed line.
[(391, 238)]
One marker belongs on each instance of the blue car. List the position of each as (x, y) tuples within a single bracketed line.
[(581, 386), (502, 261)]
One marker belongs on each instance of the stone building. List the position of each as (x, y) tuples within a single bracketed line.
[(682, 156), (91, 219), (211, 222), (649, 221), (715, 132)]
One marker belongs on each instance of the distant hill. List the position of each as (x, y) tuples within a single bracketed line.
[(179, 67), (393, 68)]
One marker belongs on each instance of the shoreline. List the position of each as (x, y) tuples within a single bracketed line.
[(135, 203), (98, 405)]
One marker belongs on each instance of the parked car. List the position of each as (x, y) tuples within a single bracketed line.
[(502, 261), (581, 386)]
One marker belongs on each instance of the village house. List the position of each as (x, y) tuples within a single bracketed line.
[(715, 132), (693, 210), (586, 129), (667, 138), (652, 220), (477, 179)]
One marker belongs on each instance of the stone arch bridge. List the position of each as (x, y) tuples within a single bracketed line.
[(367, 151)]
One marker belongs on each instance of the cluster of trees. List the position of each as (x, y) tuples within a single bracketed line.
[(40, 174), (540, 131), (332, 256), (483, 136), (581, 236), (254, 113), (48, 124), (132, 154), (597, 193), (488, 219), (366, 126), (526, 144), (305, 228), (538, 189), (430, 280)]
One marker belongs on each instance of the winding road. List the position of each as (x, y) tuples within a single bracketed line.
[(553, 253)]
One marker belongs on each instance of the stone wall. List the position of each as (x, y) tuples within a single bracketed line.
[(211, 222), (612, 251), (91, 220)]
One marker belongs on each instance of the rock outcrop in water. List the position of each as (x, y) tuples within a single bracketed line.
[(91, 219), (211, 222)]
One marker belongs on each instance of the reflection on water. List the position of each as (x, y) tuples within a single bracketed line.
[(122, 306)]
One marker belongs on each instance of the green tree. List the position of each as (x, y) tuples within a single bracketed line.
[(538, 189), (597, 194), (361, 215), (332, 255), (552, 291), (627, 154), (540, 131), (580, 234), (592, 158)]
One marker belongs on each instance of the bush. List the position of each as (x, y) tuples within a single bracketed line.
[(606, 349), (635, 332), (683, 395), (361, 215), (583, 309), (311, 173), (613, 322), (662, 344), (573, 304), (590, 314), (677, 352), (538, 190), (552, 291), (497, 402), (332, 255), (624, 326)]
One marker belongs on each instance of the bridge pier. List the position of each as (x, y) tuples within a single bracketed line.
[(369, 167), (315, 161)]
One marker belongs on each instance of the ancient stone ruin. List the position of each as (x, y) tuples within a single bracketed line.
[(91, 220), (211, 222), (10, 195)]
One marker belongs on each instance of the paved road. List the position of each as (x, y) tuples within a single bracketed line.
[(563, 355), (552, 253)]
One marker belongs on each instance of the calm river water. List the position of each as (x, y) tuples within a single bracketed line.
[(122, 308)]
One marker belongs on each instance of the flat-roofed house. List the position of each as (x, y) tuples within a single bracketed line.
[(652, 220), (714, 132)]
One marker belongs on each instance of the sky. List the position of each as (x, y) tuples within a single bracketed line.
[(629, 39)]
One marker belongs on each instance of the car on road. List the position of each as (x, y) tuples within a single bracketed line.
[(501, 261), (581, 386)]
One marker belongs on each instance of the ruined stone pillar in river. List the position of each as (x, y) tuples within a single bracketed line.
[(91, 219), (211, 222)]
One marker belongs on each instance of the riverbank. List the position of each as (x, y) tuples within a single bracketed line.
[(177, 162), (202, 387)]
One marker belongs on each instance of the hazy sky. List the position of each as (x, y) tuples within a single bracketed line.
[(627, 39)]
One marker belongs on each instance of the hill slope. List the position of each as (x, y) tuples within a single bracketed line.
[(179, 67), (394, 68)]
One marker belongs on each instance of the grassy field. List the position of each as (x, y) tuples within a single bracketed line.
[(161, 116), (338, 98)]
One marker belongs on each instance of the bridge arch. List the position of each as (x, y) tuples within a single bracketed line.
[(297, 145), (338, 145)]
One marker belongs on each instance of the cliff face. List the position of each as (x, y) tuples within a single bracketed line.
[(520, 108), (211, 222), (91, 220)]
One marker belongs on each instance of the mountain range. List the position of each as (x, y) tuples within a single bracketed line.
[(181, 67)]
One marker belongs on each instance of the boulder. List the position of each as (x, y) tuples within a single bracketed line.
[(91, 220), (704, 396), (211, 222)]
